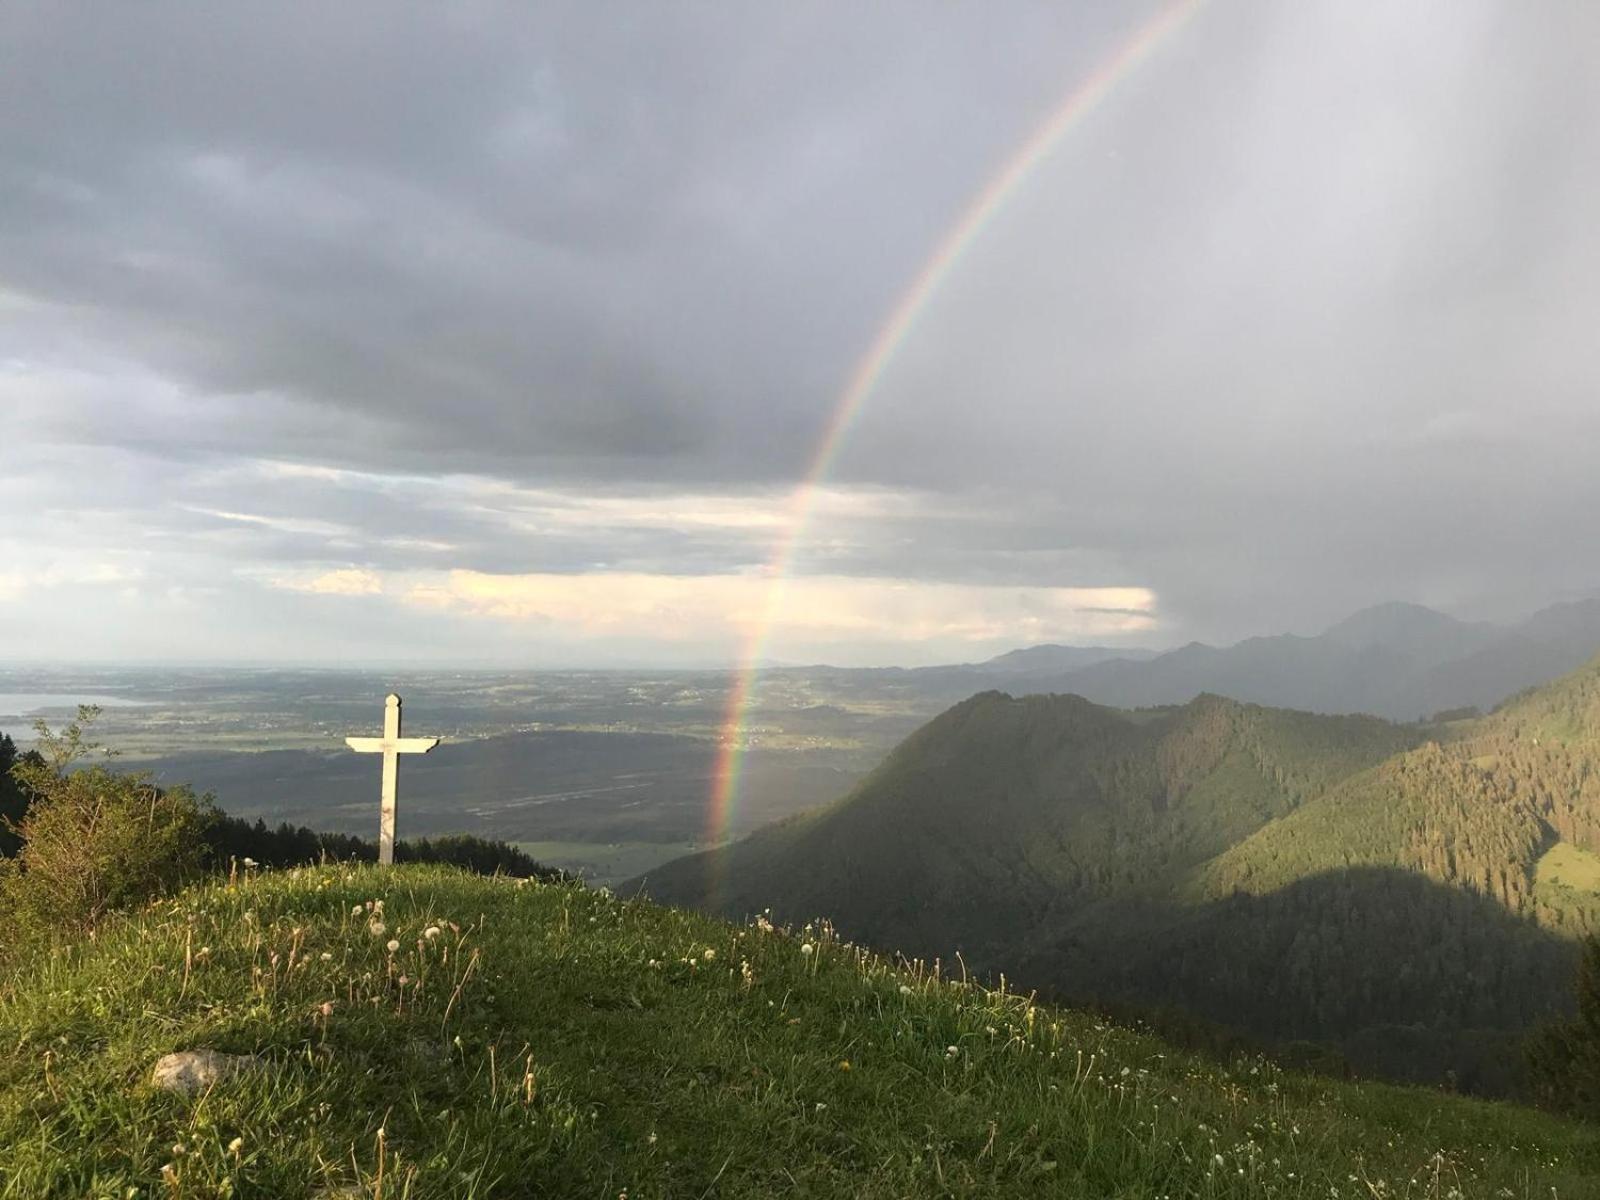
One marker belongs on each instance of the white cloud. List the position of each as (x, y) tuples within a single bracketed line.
[(13, 584), (279, 524), (809, 608), (347, 581)]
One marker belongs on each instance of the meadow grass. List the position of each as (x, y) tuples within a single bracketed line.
[(1566, 865), (425, 1033)]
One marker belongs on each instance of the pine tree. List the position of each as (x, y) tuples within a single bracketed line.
[(13, 800), (1565, 1056)]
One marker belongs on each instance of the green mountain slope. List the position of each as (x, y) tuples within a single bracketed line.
[(1002, 815), (496, 1039), (1343, 880), (1477, 810)]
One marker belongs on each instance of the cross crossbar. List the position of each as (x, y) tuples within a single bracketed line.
[(391, 745)]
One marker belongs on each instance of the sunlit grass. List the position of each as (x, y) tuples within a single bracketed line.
[(1566, 865), (429, 1034)]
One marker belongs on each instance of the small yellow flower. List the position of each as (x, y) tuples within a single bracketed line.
[(844, 1064)]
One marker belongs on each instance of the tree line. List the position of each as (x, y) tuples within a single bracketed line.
[(79, 840)]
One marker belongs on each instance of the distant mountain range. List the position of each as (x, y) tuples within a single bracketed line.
[(1401, 661), (1407, 893)]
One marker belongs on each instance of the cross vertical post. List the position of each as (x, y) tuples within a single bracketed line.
[(391, 745)]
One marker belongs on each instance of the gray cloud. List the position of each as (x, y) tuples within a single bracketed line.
[(1299, 319)]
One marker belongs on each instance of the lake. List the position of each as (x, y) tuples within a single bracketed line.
[(19, 709)]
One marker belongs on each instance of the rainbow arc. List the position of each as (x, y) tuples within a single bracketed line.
[(1085, 95)]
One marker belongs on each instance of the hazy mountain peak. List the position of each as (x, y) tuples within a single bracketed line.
[(1392, 623), (1572, 618), (1054, 656)]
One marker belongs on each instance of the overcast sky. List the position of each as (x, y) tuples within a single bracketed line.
[(339, 333)]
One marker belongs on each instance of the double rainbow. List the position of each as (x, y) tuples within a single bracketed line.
[(1085, 95)]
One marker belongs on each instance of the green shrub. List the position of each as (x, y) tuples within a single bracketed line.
[(93, 840)]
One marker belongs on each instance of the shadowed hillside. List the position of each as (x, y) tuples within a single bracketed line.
[(1296, 876), (1001, 811)]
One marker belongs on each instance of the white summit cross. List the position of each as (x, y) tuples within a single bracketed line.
[(391, 745)]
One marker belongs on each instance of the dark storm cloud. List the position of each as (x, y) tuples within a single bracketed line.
[(531, 241), (1299, 319)]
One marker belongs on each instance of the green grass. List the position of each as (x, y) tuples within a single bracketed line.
[(554, 1041), (1570, 866)]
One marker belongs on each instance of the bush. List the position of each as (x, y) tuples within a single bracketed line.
[(93, 840)]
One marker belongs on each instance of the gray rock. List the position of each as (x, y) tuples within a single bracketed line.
[(190, 1071)]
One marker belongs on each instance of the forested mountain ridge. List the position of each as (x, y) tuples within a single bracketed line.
[(1497, 806), (1342, 879), (1003, 816)]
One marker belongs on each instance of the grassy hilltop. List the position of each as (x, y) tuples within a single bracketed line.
[(420, 1032)]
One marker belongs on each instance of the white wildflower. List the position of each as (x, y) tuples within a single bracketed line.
[(393, 945)]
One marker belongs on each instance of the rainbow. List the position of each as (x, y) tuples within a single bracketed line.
[(1078, 103)]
